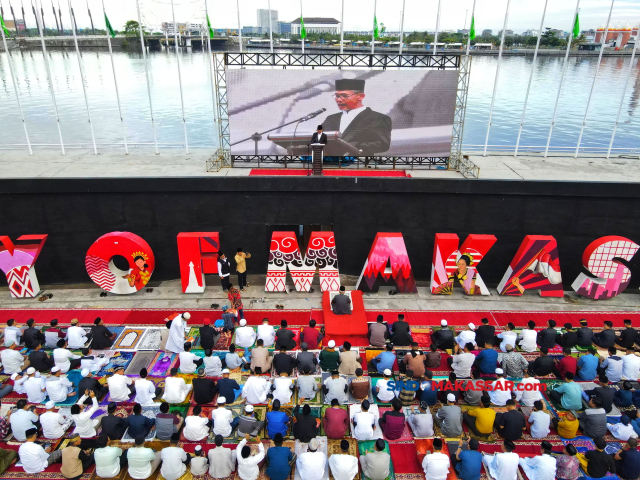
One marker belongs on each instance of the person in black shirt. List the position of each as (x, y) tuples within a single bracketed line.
[(204, 389), (208, 336), (628, 336), (32, 336), (548, 336), (284, 337), (283, 362), (599, 462), (543, 365), (443, 338), (400, 332), (114, 427), (226, 387), (90, 383), (306, 426), (604, 392), (627, 460), (570, 338), (39, 359), (102, 338), (607, 337), (585, 335), (138, 424), (512, 423), (485, 332)]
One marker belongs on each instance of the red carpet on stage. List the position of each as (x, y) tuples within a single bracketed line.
[(354, 325), (273, 172)]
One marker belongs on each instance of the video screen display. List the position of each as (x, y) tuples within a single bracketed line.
[(363, 112)]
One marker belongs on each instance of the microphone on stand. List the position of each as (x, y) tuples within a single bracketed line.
[(314, 114)]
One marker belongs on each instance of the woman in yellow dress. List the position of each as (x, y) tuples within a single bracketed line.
[(465, 275)]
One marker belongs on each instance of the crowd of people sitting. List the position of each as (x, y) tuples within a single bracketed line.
[(431, 410)]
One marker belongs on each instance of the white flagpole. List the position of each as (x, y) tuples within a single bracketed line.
[(210, 55), (435, 40), (239, 25), (373, 30), (15, 88), (595, 77), (115, 81), (301, 20), (564, 71), (270, 27), (402, 26), (46, 63), (184, 120), (495, 82), (342, 29), (624, 91), (84, 88), (473, 11), (533, 67), (146, 71)]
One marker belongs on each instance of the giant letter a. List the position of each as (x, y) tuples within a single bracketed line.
[(388, 258)]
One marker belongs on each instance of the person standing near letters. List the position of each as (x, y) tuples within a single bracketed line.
[(241, 268), (224, 270)]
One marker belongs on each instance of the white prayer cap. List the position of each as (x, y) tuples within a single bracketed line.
[(472, 326), (198, 448), (226, 370), (14, 376), (243, 322), (186, 315), (222, 400), (499, 371), (313, 444), (31, 371), (55, 369), (10, 343), (49, 405), (248, 408), (443, 322), (451, 397), (387, 372), (331, 344), (85, 372)]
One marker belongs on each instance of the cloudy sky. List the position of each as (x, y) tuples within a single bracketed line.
[(419, 14)]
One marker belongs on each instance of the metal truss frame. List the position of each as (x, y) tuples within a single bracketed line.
[(298, 161), (222, 156), (457, 161)]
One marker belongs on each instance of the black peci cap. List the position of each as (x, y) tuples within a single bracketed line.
[(350, 84)]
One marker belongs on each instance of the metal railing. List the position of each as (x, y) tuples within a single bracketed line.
[(376, 163)]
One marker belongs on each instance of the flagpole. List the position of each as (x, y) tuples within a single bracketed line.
[(473, 11), (564, 71), (402, 26), (210, 55), (435, 40), (301, 21), (342, 29), (239, 26), (184, 120), (495, 82), (624, 91), (533, 67), (15, 88), (373, 31), (595, 77), (53, 95), (270, 28), (146, 71)]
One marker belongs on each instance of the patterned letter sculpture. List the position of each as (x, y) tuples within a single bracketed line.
[(444, 270), (17, 262), (285, 254), (388, 258), (102, 270), (536, 265), (198, 254), (611, 276)]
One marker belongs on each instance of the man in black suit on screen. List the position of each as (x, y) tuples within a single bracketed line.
[(359, 126), (319, 137)]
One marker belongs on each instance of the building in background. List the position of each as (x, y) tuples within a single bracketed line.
[(12, 26), (263, 20), (530, 33), (507, 33), (247, 31), (487, 32), (464, 31), (169, 28), (617, 37), (316, 25), (284, 28)]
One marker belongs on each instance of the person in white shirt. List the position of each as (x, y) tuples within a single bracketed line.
[(631, 365), (623, 430), (467, 336), (76, 336), (384, 394), (364, 422), (199, 464), (145, 389), (177, 333), (196, 425), (539, 420), (509, 337), (12, 333), (256, 388), (528, 395), (54, 424), (311, 464), (120, 386), (436, 464), (461, 364), (175, 388), (12, 360), (335, 386), (173, 460), (33, 457), (343, 466), (540, 467), (189, 362), (283, 388), (212, 364), (504, 465), (222, 461), (267, 333), (58, 386), (18, 383), (85, 425), (142, 461), (500, 395), (248, 464), (529, 338), (109, 460), (35, 387), (223, 421), (245, 336), (91, 362), (22, 419), (64, 359)]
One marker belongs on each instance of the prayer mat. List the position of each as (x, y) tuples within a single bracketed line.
[(223, 342), (293, 355), (333, 448), (406, 431), (140, 360), (368, 446), (148, 411), (318, 370), (151, 339), (162, 364), (289, 412), (405, 458), (119, 359), (370, 354), (117, 330), (301, 448), (260, 412), (424, 445), (129, 338), (323, 409), (317, 398), (374, 382), (374, 410), (352, 399)]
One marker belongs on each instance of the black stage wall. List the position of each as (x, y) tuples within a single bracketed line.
[(75, 212)]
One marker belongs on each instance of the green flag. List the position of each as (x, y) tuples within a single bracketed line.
[(303, 31), (376, 34), (109, 27), (472, 29), (576, 28), (4, 27), (209, 25)]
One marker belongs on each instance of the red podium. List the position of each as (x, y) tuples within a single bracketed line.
[(345, 327)]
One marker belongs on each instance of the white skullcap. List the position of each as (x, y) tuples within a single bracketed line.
[(222, 400), (451, 397), (85, 372), (313, 444), (499, 371), (10, 343), (248, 408), (198, 448), (31, 371), (387, 372), (14, 376), (472, 326), (49, 405), (331, 344), (55, 369), (243, 322), (226, 370), (443, 322), (186, 315)]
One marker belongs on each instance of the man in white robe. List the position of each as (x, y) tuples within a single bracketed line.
[(540, 467), (503, 465), (177, 333)]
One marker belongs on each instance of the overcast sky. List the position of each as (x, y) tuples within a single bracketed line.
[(419, 14)]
